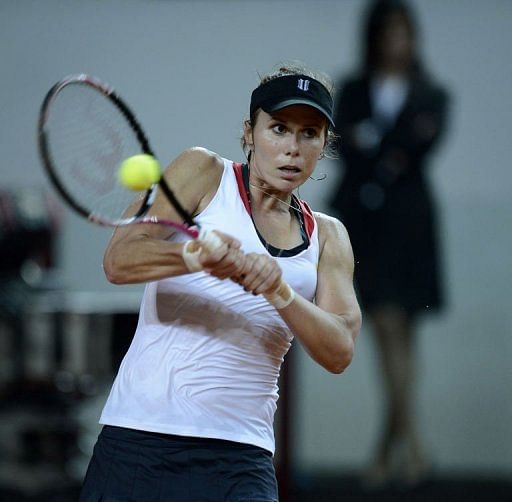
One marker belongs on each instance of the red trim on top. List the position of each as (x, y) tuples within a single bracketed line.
[(309, 219), (237, 167)]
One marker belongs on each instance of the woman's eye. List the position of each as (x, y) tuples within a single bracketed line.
[(279, 128), (310, 133)]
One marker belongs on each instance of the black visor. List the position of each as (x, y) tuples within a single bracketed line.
[(291, 90)]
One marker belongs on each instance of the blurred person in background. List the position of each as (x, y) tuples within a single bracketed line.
[(389, 117)]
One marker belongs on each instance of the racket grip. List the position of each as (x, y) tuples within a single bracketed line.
[(282, 296), (210, 240), (190, 255), (192, 249)]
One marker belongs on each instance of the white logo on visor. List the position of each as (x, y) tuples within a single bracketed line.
[(302, 84)]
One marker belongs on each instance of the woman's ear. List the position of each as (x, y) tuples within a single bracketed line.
[(248, 136)]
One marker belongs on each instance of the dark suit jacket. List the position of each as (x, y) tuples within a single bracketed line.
[(384, 197)]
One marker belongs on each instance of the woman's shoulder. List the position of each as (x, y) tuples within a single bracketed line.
[(329, 227), (198, 160), (327, 221), (196, 163), (333, 238), (195, 173)]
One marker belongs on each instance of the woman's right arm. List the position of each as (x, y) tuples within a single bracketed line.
[(143, 253)]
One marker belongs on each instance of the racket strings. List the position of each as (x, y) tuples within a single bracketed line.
[(88, 138)]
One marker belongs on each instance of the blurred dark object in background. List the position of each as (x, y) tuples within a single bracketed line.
[(57, 353), (35, 426), (28, 227), (28, 231)]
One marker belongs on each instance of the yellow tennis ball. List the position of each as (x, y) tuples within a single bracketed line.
[(139, 172)]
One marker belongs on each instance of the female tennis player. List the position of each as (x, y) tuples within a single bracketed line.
[(190, 414)]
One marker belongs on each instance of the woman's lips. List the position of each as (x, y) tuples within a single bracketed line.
[(289, 169)]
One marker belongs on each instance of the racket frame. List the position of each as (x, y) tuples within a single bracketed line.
[(149, 195)]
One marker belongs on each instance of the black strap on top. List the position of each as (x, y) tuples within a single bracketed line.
[(277, 252)]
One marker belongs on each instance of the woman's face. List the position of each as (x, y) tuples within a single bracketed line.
[(286, 145), (396, 42)]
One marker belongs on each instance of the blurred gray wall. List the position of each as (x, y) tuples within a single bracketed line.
[(188, 68)]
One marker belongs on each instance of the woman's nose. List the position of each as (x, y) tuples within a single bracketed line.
[(292, 145)]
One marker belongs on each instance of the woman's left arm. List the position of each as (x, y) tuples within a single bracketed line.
[(328, 328)]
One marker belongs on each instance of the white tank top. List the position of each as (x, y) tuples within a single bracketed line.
[(206, 355)]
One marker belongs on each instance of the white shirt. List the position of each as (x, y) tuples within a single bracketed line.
[(388, 95), (206, 355)]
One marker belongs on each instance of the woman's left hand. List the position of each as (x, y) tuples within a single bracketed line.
[(258, 273)]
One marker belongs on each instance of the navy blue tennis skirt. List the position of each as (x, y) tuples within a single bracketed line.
[(131, 465)]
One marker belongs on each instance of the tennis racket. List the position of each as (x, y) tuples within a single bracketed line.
[(85, 131)]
